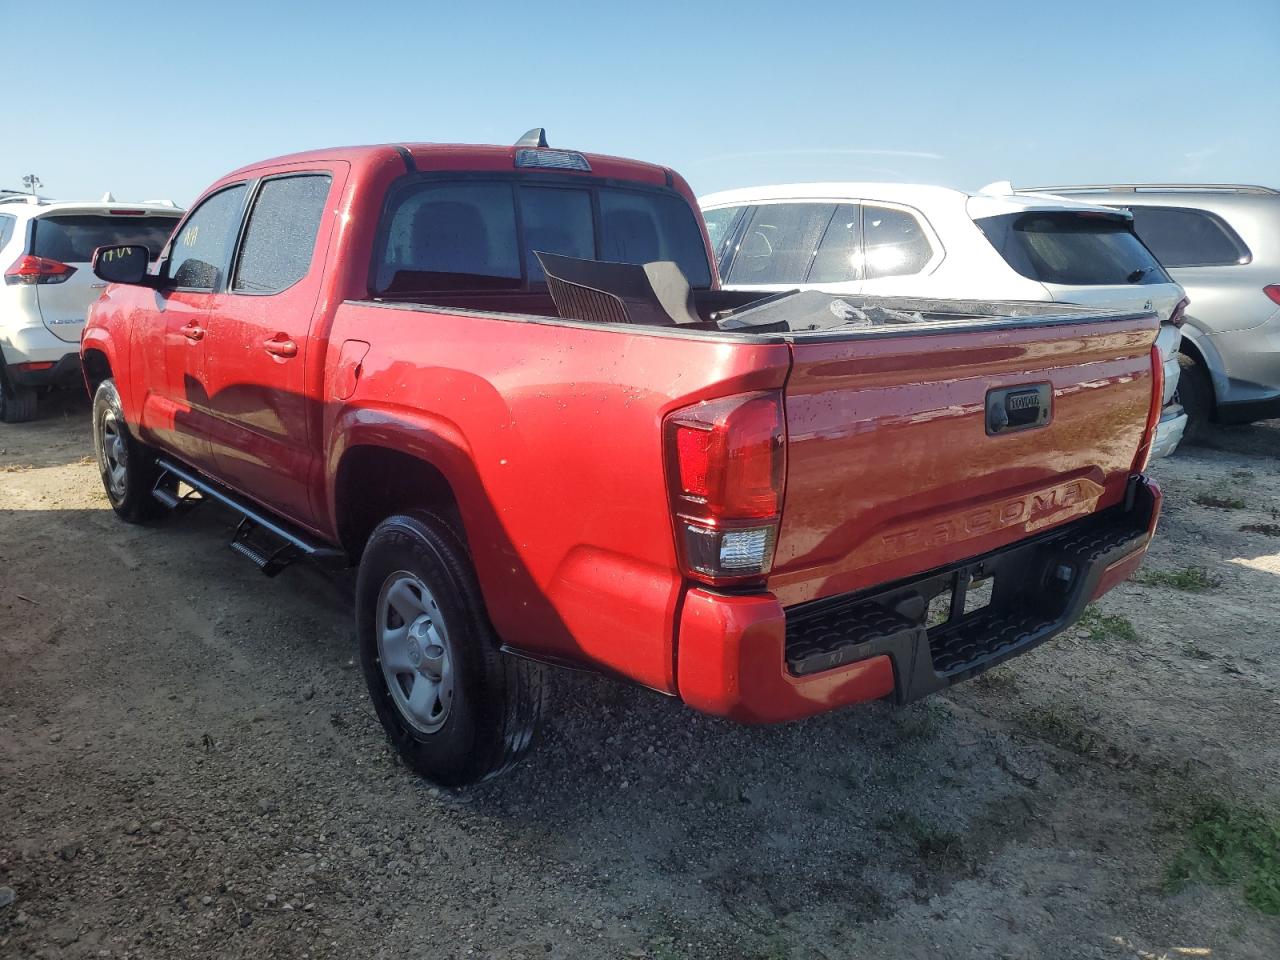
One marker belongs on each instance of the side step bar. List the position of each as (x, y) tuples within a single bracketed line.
[(286, 544)]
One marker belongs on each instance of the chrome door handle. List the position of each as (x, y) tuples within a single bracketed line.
[(193, 332)]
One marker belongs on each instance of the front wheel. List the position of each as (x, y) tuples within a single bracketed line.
[(127, 466), (455, 707)]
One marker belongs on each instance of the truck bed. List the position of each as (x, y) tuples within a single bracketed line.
[(890, 467)]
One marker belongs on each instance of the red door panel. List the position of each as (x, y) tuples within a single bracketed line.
[(259, 340)]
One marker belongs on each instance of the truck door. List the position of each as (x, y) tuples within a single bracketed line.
[(260, 345), (176, 408)]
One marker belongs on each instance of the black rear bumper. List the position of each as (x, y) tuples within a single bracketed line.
[(64, 373), (1039, 588)]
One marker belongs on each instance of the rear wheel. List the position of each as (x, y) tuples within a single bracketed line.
[(455, 707), (1195, 393), (17, 404), (127, 467)]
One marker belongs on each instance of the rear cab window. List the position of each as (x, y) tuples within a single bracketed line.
[(1073, 249), (438, 235), (72, 238)]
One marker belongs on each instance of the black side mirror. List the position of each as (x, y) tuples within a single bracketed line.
[(124, 263)]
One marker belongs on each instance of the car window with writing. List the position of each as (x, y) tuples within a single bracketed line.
[(200, 250)]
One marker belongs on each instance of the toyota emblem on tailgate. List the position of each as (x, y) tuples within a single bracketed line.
[(1019, 408)]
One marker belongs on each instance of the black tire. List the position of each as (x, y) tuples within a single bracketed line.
[(496, 700), (17, 404), (1195, 393), (130, 495)]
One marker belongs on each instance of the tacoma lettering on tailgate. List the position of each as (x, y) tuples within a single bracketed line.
[(1034, 511)]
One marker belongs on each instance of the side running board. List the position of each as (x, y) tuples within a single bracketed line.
[(269, 543)]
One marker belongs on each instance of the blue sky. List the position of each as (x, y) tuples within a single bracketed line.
[(159, 100)]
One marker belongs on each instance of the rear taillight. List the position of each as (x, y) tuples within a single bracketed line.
[(29, 269), (1179, 315), (1272, 290), (1153, 414), (726, 460)]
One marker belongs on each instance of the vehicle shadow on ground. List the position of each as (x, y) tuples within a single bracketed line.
[(1254, 439)]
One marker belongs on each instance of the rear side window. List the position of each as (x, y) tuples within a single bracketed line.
[(780, 242), (1073, 249), (839, 256), (200, 251), (1188, 238), (439, 236), (894, 242), (6, 229), (73, 238), (281, 236)]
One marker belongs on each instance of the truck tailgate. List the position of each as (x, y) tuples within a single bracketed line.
[(891, 466)]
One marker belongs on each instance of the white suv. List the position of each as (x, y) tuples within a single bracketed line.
[(897, 239), (45, 249)]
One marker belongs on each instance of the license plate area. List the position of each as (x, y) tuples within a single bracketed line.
[(966, 591)]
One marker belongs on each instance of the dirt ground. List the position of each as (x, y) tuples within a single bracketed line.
[(189, 767)]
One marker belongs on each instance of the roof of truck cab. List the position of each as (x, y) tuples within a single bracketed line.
[(466, 156), (922, 196)]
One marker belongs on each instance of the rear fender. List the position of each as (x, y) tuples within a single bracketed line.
[(518, 608), (435, 441)]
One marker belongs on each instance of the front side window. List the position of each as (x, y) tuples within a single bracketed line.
[(894, 243), (200, 250), (72, 238), (1073, 249), (1188, 238), (780, 243), (281, 235), (839, 256)]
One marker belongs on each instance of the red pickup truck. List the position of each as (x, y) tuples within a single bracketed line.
[(769, 509)]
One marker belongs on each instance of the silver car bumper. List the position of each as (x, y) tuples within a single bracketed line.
[(1173, 423)]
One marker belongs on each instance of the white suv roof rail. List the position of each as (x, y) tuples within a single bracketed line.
[(1139, 187)]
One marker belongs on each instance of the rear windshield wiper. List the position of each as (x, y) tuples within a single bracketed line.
[(1138, 274)]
